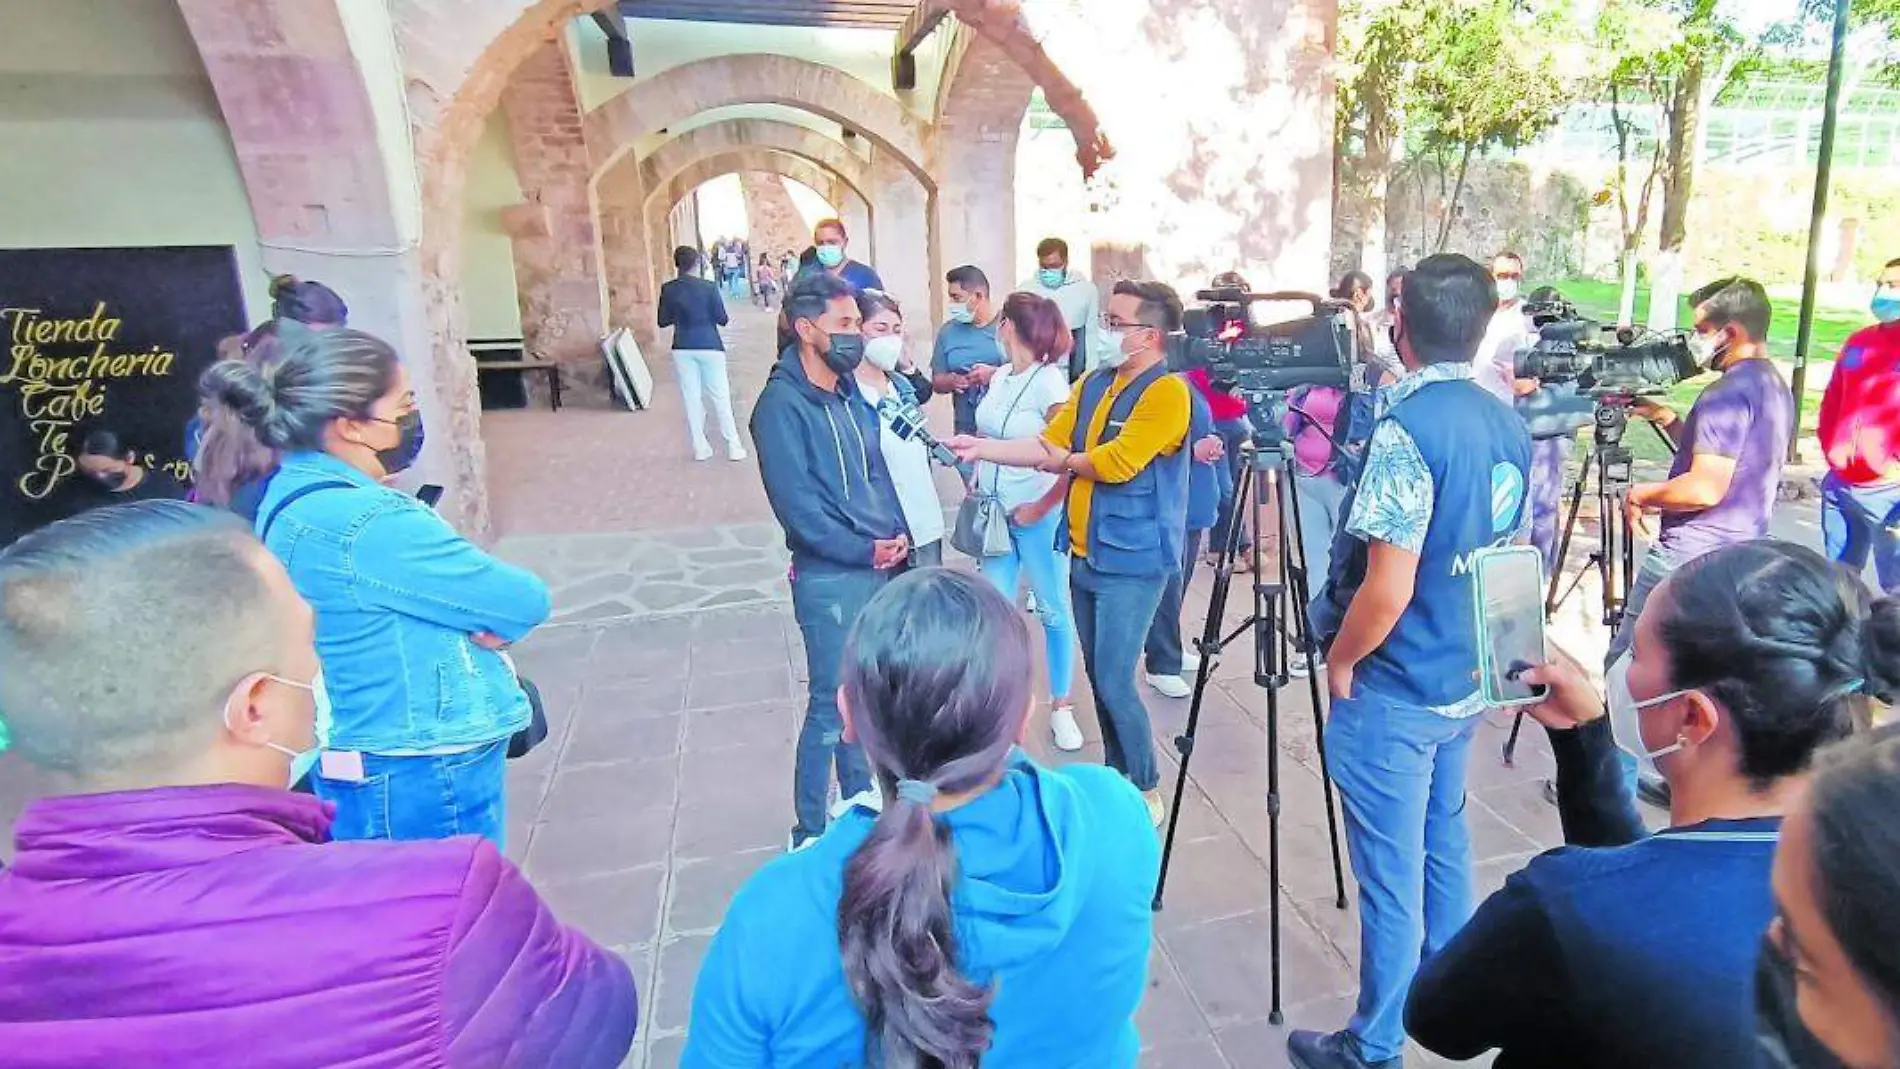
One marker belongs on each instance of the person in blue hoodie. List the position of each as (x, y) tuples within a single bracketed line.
[(827, 483), (1168, 662), (995, 911)]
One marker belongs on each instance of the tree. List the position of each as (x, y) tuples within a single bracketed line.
[(1380, 44)]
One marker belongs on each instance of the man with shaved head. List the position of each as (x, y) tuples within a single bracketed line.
[(174, 903)]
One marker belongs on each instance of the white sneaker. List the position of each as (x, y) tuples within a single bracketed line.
[(1029, 604), (1299, 666), (702, 452), (793, 845), (870, 798), (735, 452), (1062, 725), (1157, 806), (1190, 662), (1169, 686)]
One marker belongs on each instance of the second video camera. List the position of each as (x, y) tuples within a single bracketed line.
[(1603, 361), (1261, 344)]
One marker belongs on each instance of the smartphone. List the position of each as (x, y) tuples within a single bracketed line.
[(430, 495), (1509, 590)]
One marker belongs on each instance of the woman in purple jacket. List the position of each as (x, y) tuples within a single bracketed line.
[(179, 907)]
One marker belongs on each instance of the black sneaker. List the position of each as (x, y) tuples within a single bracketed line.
[(1332, 1050)]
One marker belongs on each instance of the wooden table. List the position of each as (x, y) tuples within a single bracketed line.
[(552, 369)]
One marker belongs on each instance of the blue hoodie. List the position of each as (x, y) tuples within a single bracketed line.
[(823, 469), (1055, 879)]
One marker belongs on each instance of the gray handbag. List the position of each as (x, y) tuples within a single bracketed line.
[(982, 527)]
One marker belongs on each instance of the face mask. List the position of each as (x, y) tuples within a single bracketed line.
[(1109, 351), (112, 480), (1052, 277), (1507, 289), (302, 761), (844, 353), (1886, 306), (831, 255), (408, 445), (884, 352), (960, 313), (1626, 722), (1707, 349)]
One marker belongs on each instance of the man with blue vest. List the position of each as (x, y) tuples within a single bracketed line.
[(1445, 475), (1121, 441)]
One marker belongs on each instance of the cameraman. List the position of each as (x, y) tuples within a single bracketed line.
[(1445, 475)]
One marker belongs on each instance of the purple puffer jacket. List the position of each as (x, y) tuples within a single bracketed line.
[(214, 926)]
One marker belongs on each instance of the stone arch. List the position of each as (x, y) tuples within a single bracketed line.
[(980, 108), (660, 166), (1003, 27), (676, 95), (814, 176)]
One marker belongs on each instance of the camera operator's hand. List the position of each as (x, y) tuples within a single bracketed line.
[(1570, 700), (888, 553), (1654, 411), (1210, 449), (1638, 515)]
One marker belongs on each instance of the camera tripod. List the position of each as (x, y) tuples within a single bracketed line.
[(1614, 559), (1280, 596)]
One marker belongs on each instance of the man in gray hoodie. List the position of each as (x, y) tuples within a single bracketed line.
[(825, 478)]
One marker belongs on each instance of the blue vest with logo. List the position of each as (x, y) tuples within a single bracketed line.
[(1479, 456), (1136, 528)]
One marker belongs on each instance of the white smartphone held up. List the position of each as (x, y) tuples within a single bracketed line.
[(1509, 591)]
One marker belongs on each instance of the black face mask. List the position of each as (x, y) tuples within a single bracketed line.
[(844, 353), (1785, 1042), (408, 445)]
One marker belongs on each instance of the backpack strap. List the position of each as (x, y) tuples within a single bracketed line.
[(263, 530)]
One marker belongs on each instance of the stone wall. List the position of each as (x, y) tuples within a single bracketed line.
[(773, 223), (1543, 215)]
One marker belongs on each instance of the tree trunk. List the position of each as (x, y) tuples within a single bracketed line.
[(1678, 182), (1457, 194), (1626, 307), (1375, 184)]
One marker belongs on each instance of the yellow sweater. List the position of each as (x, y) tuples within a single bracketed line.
[(1157, 426)]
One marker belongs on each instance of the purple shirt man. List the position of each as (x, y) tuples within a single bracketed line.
[(1748, 415)]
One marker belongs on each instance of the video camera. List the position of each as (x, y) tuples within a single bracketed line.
[(1263, 344), (1602, 361)]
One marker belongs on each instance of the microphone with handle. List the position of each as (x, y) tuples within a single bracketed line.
[(907, 422)]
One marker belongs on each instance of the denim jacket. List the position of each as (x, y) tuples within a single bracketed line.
[(398, 595)]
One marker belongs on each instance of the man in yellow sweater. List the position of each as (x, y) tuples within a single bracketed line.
[(1120, 441)]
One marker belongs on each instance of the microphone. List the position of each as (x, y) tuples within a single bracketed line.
[(907, 422)]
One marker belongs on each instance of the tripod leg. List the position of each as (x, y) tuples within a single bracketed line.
[(1210, 646), (1301, 594), (1267, 596), (1551, 600)]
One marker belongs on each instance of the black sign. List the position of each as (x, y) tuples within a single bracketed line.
[(102, 339)]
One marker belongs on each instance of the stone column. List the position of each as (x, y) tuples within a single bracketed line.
[(902, 253), (627, 255), (979, 125), (558, 261), (856, 213), (772, 220)]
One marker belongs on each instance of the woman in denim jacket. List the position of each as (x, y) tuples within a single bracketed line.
[(411, 617)]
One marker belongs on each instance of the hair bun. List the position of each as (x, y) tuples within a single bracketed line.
[(281, 284), (1880, 648), (244, 389)]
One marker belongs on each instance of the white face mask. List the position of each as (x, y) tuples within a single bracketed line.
[(301, 761), (884, 352), (1109, 351), (1507, 289), (1707, 349), (1626, 721)]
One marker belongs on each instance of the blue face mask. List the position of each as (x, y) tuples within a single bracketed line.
[(1052, 277), (831, 255), (302, 761), (1886, 306), (961, 313)]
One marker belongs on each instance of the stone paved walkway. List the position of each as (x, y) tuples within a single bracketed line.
[(674, 679)]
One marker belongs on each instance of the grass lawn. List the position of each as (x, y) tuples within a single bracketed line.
[(1599, 300)]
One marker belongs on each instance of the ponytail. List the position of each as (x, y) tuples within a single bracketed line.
[(936, 679), (897, 935)]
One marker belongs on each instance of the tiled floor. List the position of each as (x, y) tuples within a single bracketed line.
[(674, 682)]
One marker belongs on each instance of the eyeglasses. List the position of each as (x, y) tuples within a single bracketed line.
[(1110, 322)]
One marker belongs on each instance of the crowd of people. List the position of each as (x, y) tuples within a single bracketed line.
[(314, 752)]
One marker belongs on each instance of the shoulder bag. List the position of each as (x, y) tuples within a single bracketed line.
[(982, 527)]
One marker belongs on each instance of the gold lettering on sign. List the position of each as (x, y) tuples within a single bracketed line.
[(62, 371)]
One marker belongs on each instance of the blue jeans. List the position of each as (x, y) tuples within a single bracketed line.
[(1112, 615), (1549, 458), (422, 797), (1233, 433), (1320, 498), (1163, 647), (1400, 770), (1034, 555), (826, 605), (1860, 520)]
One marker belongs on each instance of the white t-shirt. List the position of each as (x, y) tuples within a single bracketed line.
[(1024, 399), (909, 465), (1495, 366)]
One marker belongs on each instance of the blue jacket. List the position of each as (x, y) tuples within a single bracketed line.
[(823, 469), (1204, 480), (695, 311), (1139, 527), (1055, 879), (397, 594)]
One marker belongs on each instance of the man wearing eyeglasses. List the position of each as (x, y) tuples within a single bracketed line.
[(1119, 440)]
